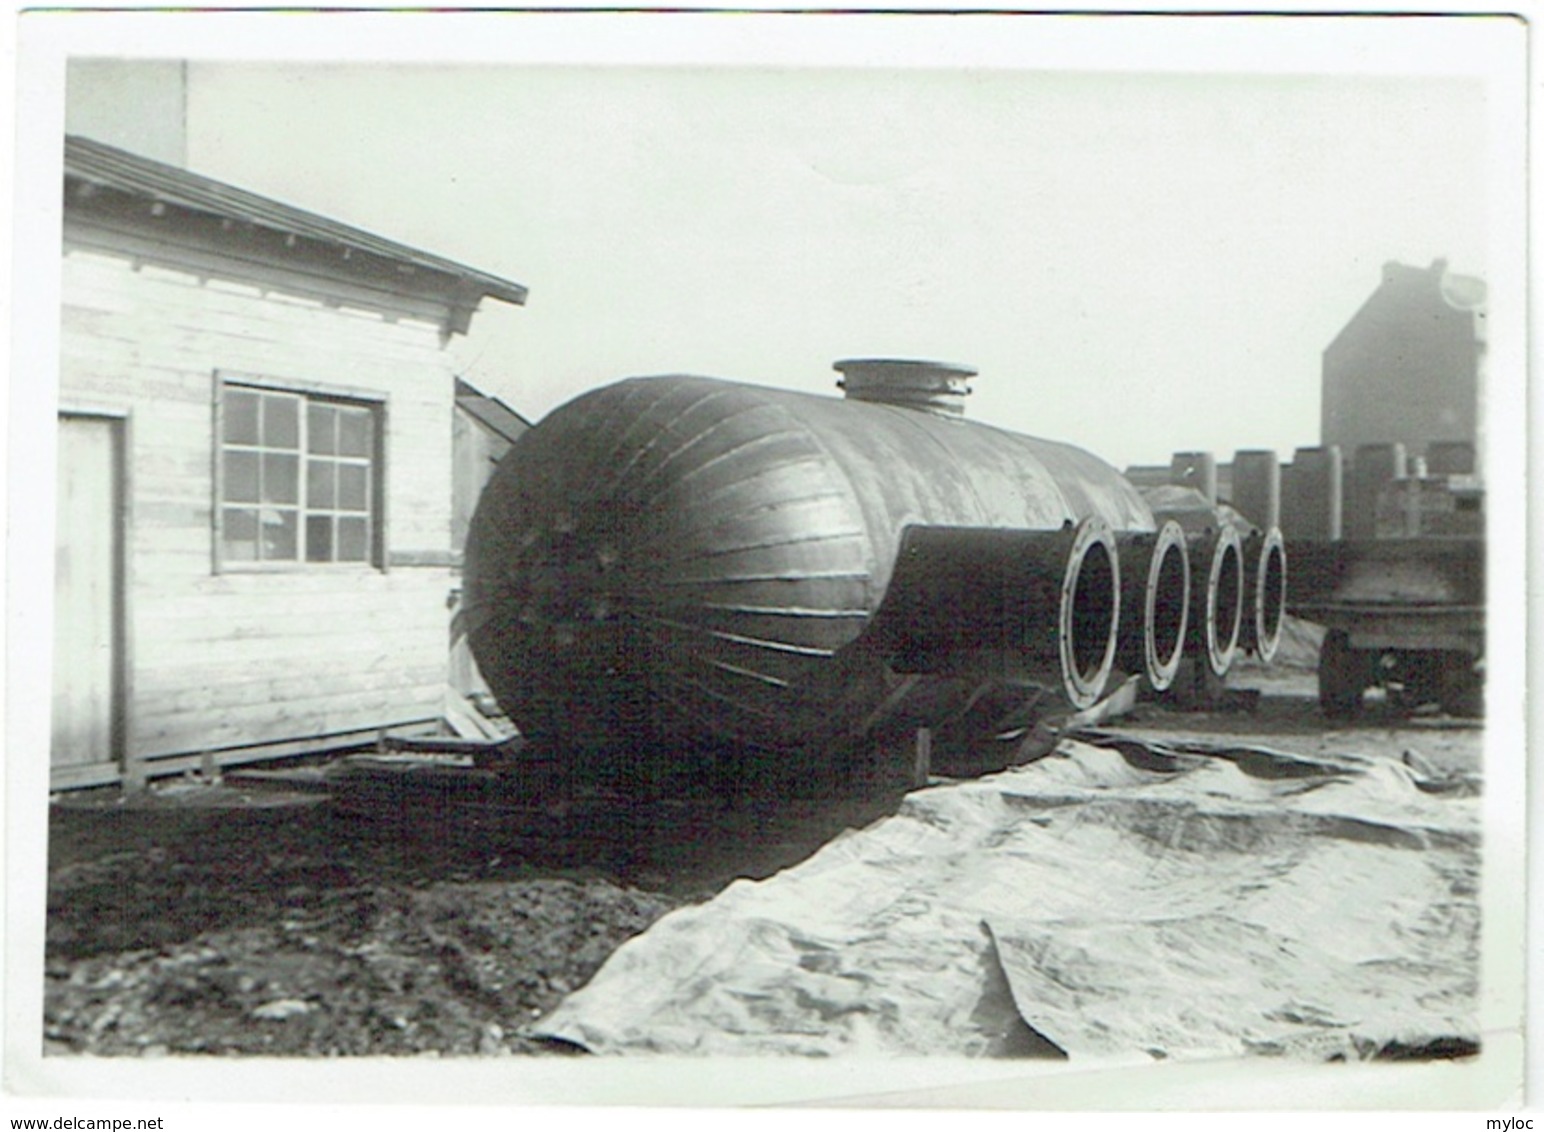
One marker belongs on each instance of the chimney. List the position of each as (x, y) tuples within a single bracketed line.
[(934, 387)]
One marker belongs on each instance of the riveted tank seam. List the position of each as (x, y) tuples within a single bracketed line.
[(633, 388), (749, 673), (709, 397), (784, 611), (737, 638), (913, 419), (737, 516), (863, 535), (738, 579), (740, 548), (676, 453), (676, 676), (729, 453)]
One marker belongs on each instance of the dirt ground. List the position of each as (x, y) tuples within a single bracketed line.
[(247, 919)]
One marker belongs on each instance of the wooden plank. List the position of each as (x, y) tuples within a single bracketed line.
[(375, 396), (334, 591), (266, 723), (159, 697), (224, 259), (171, 320), (309, 586), (463, 717), (324, 635), (86, 594), (104, 262), (234, 681), (420, 558), (277, 318), (359, 590), (316, 580), (207, 620), (465, 720), (922, 764), (84, 775), (133, 768), (242, 613), (230, 687), (179, 762)]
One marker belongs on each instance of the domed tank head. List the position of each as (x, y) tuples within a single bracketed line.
[(935, 387)]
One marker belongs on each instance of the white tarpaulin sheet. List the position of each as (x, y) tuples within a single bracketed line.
[(1153, 902)]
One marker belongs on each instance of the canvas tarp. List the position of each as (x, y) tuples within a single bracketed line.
[(1108, 900)]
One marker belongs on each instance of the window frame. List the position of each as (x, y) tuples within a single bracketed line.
[(306, 393)]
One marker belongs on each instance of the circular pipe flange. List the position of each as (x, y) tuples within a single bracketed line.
[(1224, 600), (1088, 617), (1265, 553), (1166, 606)]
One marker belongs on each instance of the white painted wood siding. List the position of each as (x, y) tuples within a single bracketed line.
[(85, 699), (232, 658)]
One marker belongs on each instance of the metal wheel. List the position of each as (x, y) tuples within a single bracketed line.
[(1343, 676), (1460, 687)]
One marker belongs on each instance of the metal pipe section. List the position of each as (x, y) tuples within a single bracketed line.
[(1088, 618), (1155, 603), (1196, 470), (1311, 494), (1257, 486), (1217, 585), (936, 387), (1035, 606), (1373, 468), (1265, 568), (1217, 604)]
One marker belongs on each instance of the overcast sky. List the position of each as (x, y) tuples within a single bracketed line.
[(1135, 261)]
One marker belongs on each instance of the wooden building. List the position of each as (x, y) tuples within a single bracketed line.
[(485, 427), (257, 414)]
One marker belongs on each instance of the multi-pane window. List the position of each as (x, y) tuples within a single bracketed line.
[(298, 477)]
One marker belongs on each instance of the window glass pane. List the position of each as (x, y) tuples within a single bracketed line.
[(278, 535), (241, 476), (281, 421), (321, 484), (265, 439), (281, 478), (354, 432), (353, 539), (240, 413), (318, 538), (239, 539), (321, 429), (353, 487)]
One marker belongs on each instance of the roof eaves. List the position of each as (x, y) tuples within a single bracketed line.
[(96, 163)]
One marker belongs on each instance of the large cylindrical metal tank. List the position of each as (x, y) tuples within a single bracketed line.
[(686, 559)]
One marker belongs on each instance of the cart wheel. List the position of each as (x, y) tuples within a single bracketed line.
[(1460, 688), (1343, 676), (1420, 679)]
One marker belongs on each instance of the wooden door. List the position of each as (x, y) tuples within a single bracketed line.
[(88, 595)]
